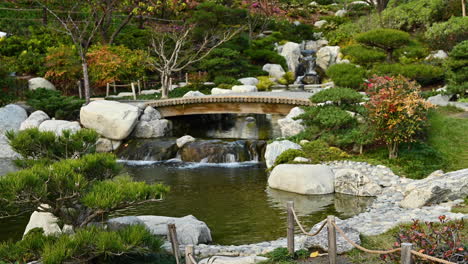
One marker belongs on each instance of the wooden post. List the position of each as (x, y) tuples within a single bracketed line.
[(139, 87), (290, 206), (331, 239), (115, 88), (463, 8), (107, 89), (189, 251), (406, 253), (172, 232), (133, 91), (186, 78)]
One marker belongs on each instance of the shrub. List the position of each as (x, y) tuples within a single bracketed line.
[(288, 156), (263, 56), (342, 34), (457, 66), (425, 74), (264, 83), (88, 243), (33, 144), (319, 151), (385, 39), (442, 240), (362, 55), (412, 52), (226, 80), (396, 110), (54, 104), (340, 96), (63, 68), (446, 35), (346, 75), (181, 91), (224, 62)]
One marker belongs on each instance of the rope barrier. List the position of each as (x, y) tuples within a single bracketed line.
[(363, 248), (302, 228), (430, 257)]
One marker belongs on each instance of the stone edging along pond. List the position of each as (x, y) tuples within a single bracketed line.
[(384, 213)]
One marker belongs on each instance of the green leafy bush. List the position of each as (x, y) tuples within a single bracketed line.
[(288, 156), (35, 145), (412, 52), (54, 104), (288, 78), (362, 55), (385, 39), (218, 80), (224, 62), (342, 34), (340, 96), (446, 35), (457, 66), (346, 75), (264, 83), (424, 74), (87, 243), (319, 151), (263, 56)]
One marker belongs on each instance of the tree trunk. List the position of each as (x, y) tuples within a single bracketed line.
[(463, 8), (87, 88), (392, 150), (165, 83)]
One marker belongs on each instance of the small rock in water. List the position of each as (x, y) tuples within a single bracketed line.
[(184, 140), (250, 119)]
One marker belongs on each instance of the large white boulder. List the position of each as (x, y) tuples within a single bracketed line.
[(58, 126), (244, 88), (216, 91), (107, 145), (233, 260), (440, 100), (150, 114), (249, 81), (316, 44), (184, 140), (302, 179), (152, 129), (190, 230), (290, 127), (320, 23), (47, 221), (434, 190), (327, 56), (11, 117), (110, 119), (274, 149), (353, 182), (292, 53), (34, 120), (193, 94), (321, 240), (39, 82), (274, 70), (6, 152)]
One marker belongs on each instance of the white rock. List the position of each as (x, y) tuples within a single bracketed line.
[(321, 240), (152, 129), (313, 3), (359, 3), (290, 127), (125, 94), (316, 44), (304, 141), (232, 260), (440, 54), (2, 34), (302, 178), (244, 88), (274, 149), (110, 119), (327, 56), (184, 140), (107, 145), (440, 100), (193, 94), (274, 70), (349, 181), (6, 152), (292, 53), (11, 117), (190, 230), (301, 159), (295, 112), (58, 126), (39, 82), (34, 120), (46, 221), (320, 23), (341, 13), (220, 91), (149, 92), (150, 114), (249, 81)]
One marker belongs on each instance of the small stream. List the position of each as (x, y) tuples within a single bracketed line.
[(220, 178)]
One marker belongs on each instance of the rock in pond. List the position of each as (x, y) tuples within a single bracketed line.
[(302, 178), (184, 140), (353, 182), (190, 230), (107, 145), (321, 240), (150, 114), (152, 129), (434, 190), (233, 260), (58, 126), (274, 149), (34, 120), (39, 82), (110, 119)]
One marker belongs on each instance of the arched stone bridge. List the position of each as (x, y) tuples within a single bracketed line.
[(245, 103)]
